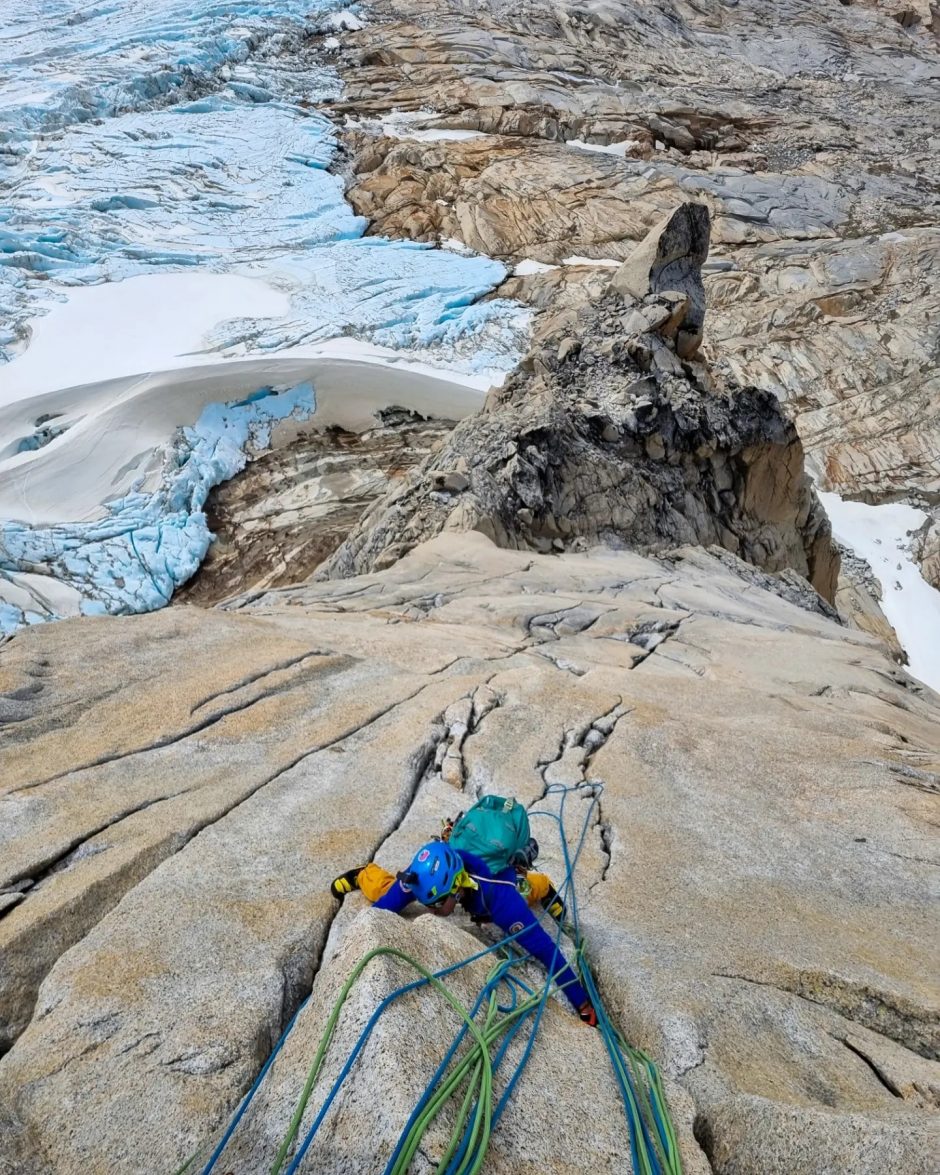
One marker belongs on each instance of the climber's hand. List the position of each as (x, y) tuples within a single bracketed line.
[(588, 1014)]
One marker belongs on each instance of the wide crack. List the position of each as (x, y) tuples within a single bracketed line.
[(27, 882), (588, 739)]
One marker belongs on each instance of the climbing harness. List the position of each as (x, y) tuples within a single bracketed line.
[(505, 1007)]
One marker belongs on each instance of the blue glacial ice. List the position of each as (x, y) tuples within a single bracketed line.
[(230, 187), (147, 544), (141, 137), (178, 135), (65, 62)]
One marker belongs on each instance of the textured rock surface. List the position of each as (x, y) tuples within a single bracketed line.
[(758, 885), (809, 129), (292, 507), (606, 433), (670, 258), (362, 1132), (927, 551), (846, 333), (756, 890)]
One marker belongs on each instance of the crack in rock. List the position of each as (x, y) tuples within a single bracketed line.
[(880, 1012), (867, 1060), (172, 844), (167, 740), (462, 718), (252, 678), (80, 848)]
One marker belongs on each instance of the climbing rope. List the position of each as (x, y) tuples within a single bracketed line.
[(469, 1076)]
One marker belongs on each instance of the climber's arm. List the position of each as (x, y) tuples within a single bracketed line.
[(510, 912), (395, 898)]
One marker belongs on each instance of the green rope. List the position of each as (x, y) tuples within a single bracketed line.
[(326, 1038), (476, 1153), (469, 1077)]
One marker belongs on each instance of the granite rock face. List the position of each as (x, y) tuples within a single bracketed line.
[(858, 599), (616, 577), (755, 886), (607, 433), (809, 130)]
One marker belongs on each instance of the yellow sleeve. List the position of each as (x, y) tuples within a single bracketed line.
[(375, 882), (539, 886)]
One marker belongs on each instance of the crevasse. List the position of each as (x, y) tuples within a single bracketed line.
[(133, 558)]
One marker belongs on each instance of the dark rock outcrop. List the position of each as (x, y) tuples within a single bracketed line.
[(605, 434), (671, 257)]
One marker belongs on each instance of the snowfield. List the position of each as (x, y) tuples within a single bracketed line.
[(882, 536), (170, 237)]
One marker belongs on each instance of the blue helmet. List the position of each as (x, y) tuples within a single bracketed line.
[(431, 875)]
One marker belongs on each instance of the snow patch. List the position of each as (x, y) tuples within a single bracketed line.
[(153, 323), (452, 245), (621, 149), (345, 21), (882, 536), (528, 267), (439, 134), (400, 124), (602, 262)]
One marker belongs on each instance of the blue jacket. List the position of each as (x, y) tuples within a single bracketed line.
[(497, 898)]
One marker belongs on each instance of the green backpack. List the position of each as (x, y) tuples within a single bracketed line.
[(496, 830)]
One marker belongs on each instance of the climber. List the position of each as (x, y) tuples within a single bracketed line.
[(445, 873)]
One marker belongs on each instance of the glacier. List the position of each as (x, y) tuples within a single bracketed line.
[(235, 188), (147, 544), (174, 137), (65, 62)]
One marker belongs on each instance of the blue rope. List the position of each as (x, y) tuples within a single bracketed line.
[(249, 1096), (608, 1032), (502, 978), (246, 1101), (367, 1031), (619, 1071), (442, 1067)]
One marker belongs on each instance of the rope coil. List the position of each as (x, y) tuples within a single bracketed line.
[(653, 1145)]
